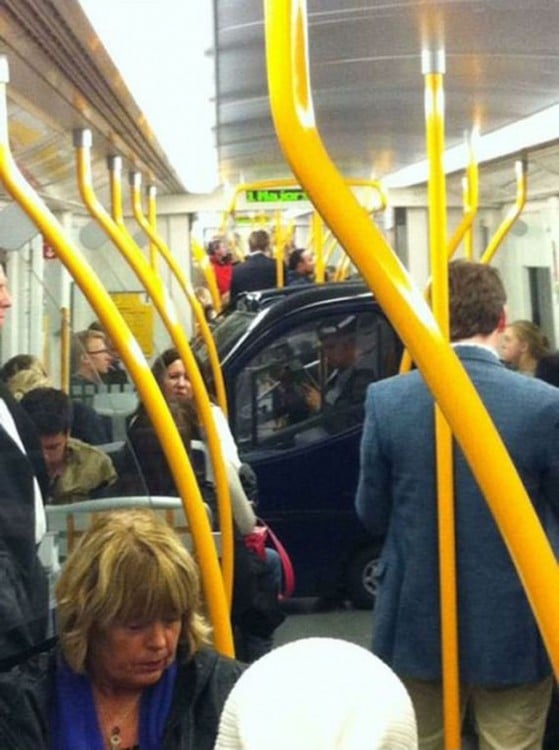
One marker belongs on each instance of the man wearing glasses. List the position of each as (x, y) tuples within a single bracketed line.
[(90, 359)]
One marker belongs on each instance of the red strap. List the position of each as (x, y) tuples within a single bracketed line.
[(286, 564)]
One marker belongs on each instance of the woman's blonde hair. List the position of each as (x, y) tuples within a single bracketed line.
[(27, 380), (22, 373), (529, 333), (130, 566)]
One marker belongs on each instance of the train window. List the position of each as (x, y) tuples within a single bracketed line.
[(311, 382)]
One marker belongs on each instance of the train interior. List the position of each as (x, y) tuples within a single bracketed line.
[(100, 224)]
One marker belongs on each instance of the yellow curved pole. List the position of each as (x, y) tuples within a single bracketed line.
[(471, 201), (433, 70), (155, 289), (521, 167), (201, 258), (132, 356), (286, 51), (135, 179)]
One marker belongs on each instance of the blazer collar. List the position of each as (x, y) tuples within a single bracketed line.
[(473, 352)]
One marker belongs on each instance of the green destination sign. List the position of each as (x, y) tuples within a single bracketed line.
[(276, 195)]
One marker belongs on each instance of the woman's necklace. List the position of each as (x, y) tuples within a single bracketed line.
[(114, 738), (116, 723)]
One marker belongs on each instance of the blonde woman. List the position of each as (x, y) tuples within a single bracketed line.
[(523, 345), (133, 668)]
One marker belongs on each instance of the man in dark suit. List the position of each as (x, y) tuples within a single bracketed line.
[(23, 582), (504, 670), (258, 271)]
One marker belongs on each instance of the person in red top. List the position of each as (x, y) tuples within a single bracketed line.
[(222, 264)]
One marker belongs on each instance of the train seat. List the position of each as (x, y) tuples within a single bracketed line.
[(67, 523), (118, 406)]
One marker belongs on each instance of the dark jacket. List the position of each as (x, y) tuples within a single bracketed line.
[(257, 272), (202, 686), (23, 583)]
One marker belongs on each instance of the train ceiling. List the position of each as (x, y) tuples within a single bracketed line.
[(502, 64)]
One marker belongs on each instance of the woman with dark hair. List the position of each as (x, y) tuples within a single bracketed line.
[(256, 612)]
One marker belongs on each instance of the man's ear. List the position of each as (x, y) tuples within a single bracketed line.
[(502, 324)]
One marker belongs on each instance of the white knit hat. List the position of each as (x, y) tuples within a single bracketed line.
[(318, 694)]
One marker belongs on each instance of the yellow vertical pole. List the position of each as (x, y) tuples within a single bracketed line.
[(279, 251), (433, 70), (151, 192), (468, 235), (318, 238), (65, 349)]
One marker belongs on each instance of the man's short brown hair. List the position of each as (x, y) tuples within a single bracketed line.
[(259, 240), (477, 298)]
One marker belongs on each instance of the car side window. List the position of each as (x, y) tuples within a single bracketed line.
[(311, 382)]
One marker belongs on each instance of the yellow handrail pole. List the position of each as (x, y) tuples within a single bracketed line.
[(318, 236), (330, 245), (151, 193), (341, 271), (135, 180), (65, 349), (433, 70), (119, 332), (521, 167), (471, 200), (471, 196), (154, 287), (203, 262), (114, 165), (292, 111), (278, 252)]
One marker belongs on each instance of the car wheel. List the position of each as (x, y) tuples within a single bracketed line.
[(361, 582)]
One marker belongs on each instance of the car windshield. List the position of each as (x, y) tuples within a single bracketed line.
[(226, 333)]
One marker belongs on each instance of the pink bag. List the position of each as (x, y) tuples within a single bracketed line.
[(257, 541)]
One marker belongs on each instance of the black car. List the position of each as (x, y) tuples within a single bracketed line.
[(296, 364)]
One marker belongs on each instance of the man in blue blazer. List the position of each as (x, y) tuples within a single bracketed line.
[(504, 670), (24, 603)]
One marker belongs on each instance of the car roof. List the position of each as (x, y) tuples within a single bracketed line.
[(291, 297), (269, 306)]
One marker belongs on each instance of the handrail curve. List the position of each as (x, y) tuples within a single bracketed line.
[(155, 289), (292, 111), (221, 396), (513, 213)]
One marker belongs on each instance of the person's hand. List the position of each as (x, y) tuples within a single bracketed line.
[(313, 398)]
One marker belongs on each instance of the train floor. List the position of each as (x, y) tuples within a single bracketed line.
[(310, 617)]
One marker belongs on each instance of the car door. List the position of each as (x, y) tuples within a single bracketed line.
[(297, 416)]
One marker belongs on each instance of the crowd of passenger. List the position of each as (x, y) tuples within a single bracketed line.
[(132, 665)]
